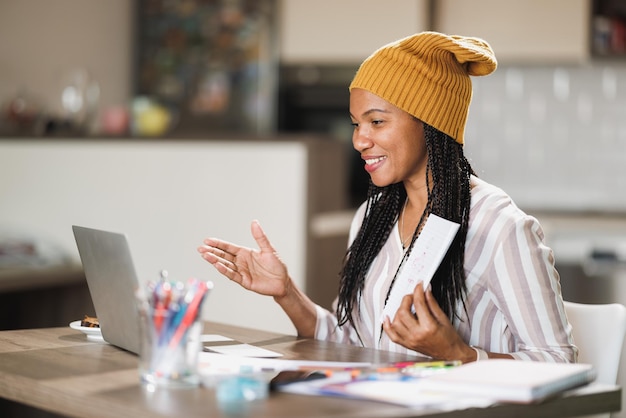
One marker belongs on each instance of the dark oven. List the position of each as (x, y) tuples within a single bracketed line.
[(316, 99)]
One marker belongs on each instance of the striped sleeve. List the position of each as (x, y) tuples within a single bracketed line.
[(326, 327), (514, 300), (328, 330)]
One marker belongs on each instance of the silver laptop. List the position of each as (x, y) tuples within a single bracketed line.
[(112, 283)]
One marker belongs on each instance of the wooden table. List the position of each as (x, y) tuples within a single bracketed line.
[(58, 370)]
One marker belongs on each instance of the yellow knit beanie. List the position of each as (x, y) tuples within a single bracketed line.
[(427, 75)]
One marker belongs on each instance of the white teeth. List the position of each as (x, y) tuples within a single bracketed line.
[(370, 161)]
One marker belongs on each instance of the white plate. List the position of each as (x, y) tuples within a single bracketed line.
[(93, 334)]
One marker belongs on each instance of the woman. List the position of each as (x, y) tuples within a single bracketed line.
[(496, 292)]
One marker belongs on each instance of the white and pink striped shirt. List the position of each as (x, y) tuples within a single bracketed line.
[(514, 303)]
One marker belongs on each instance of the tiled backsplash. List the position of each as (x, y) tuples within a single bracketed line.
[(554, 138)]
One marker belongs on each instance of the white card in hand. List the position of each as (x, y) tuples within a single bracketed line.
[(426, 255)]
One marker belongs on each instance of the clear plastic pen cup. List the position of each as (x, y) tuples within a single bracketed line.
[(171, 325)]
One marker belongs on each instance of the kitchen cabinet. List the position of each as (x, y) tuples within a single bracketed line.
[(346, 31), (609, 28), (214, 62), (43, 296), (520, 32)]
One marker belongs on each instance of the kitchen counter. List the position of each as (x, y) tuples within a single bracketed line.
[(169, 194), (575, 236), (29, 278)]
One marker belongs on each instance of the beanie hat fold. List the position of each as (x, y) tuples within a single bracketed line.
[(428, 76)]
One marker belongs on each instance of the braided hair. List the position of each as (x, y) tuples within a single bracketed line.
[(448, 197)]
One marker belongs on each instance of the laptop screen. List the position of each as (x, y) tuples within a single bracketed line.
[(112, 283)]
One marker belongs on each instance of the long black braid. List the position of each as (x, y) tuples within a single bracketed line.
[(449, 198)]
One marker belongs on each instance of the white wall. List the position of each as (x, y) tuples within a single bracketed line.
[(167, 196), (561, 131)]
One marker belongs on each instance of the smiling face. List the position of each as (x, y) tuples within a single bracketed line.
[(391, 141)]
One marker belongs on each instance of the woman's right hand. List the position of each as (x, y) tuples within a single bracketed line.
[(261, 271)]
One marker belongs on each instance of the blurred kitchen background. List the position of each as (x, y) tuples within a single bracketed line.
[(173, 120)]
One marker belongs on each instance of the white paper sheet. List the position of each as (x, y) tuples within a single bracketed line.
[(243, 350), (215, 363), (234, 348)]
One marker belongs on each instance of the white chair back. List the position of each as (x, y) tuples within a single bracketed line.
[(598, 331)]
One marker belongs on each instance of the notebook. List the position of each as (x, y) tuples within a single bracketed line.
[(508, 380), (112, 283), (477, 384)]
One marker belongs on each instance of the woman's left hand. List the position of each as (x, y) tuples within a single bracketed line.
[(428, 331)]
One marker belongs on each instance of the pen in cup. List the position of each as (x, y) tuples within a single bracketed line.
[(171, 328)]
